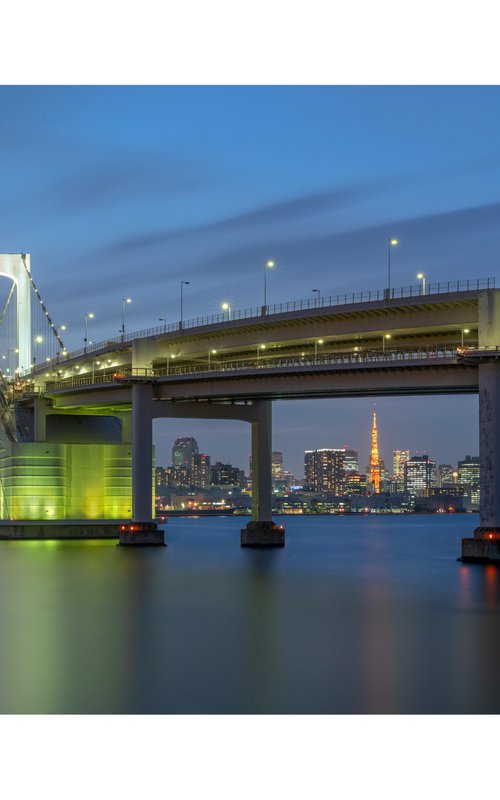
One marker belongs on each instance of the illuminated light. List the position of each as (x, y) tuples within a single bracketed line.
[(128, 300), (262, 346), (387, 335), (90, 316), (225, 306), (39, 339), (320, 341), (490, 536), (356, 349), (420, 275), (394, 241), (270, 264), (47, 359), (214, 352), (63, 327), (302, 354), (466, 330)]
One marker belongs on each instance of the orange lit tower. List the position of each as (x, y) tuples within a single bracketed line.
[(374, 459)]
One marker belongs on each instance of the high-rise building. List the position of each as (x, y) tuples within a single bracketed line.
[(351, 460), (161, 477), (468, 478), (447, 476), (226, 475), (201, 471), (277, 465), (400, 457), (420, 475), (374, 473), (325, 470), (183, 451)]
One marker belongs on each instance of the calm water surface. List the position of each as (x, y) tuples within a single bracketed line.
[(370, 615)]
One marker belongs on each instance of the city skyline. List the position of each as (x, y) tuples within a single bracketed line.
[(293, 460)]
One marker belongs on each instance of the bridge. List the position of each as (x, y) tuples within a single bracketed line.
[(233, 366)]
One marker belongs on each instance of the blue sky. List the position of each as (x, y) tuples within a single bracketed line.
[(121, 191)]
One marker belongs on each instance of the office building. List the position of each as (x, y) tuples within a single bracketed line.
[(420, 475), (325, 470)]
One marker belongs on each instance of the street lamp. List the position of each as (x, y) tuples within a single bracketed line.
[(125, 300), (319, 341), (211, 353), (464, 330), (38, 340), (259, 348), (384, 337), (421, 277), (87, 317), (227, 307), (319, 296), (162, 319), (390, 244), (183, 284), (267, 265)]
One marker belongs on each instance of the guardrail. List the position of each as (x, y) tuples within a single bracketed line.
[(387, 357), (307, 304)]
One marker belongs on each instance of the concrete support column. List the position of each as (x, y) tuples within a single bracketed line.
[(142, 452), (262, 531), (40, 420), (489, 443), (484, 547), (262, 494)]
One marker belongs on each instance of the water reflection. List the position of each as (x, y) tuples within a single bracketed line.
[(351, 617)]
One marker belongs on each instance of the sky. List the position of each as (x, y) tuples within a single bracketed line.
[(125, 191)]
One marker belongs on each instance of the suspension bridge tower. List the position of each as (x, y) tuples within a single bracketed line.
[(16, 266)]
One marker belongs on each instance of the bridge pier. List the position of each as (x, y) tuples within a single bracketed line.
[(262, 531), (142, 530), (484, 547)]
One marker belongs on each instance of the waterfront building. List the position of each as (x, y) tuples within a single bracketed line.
[(226, 475), (201, 470), (399, 459), (351, 461), (324, 470), (468, 478), (447, 476), (420, 475), (183, 452)]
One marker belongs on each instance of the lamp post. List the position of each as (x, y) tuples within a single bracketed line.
[(183, 284), (316, 343), (227, 307), (390, 244), (464, 330), (162, 319), (125, 300), (87, 317), (384, 337), (259, 348), (267, 265), (211, 353), (319, 296), (421, 277), (38, 340)]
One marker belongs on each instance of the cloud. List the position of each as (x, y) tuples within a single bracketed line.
[(111, 179), (285, 211)]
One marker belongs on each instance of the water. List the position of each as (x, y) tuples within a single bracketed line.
[(354, 615)]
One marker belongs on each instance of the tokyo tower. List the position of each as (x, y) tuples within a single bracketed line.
[(374, 459)]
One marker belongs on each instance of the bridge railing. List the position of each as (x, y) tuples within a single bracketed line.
[(388, 357), (307, 304)]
